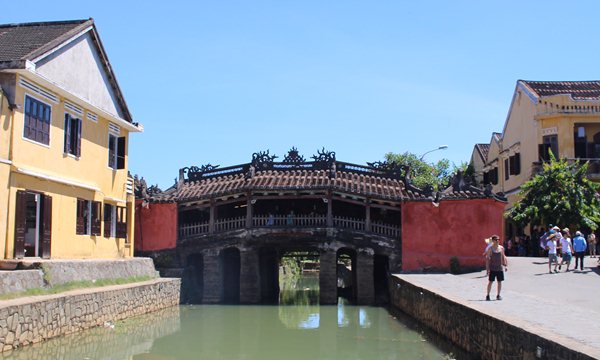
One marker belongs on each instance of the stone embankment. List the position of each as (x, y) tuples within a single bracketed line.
[(25, 321), (527, 324), (28, 320)]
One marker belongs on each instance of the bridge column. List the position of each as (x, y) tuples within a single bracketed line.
[(328, 277), (211, 221), (249, 276), (365, 294), (368, 216), (329, 210), (213, 279), (249, 211)]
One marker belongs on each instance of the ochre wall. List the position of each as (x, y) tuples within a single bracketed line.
[(155, 226), (431, 234), (93, 178)]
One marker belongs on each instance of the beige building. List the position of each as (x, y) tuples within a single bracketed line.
[(562, 117), (64, 185)]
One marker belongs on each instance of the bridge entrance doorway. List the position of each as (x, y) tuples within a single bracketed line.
[(346, 274), (298, 278), (230, 263)]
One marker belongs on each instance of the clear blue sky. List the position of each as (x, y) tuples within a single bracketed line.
[(215, 81)]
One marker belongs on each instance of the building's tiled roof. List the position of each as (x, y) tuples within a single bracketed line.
[(577, 89), (26, 41), (483, 150)]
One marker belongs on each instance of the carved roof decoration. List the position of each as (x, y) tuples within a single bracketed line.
[(377, 180)]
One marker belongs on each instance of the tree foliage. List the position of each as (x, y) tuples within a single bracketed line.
[(422, 173), (560, 194)]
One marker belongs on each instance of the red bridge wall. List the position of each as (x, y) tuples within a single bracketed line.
[(432, 235), (155, 226)]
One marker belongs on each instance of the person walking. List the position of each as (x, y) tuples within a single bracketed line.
[(567, 249), (591, 240), (551, 247), (579, 246), (495, 260)]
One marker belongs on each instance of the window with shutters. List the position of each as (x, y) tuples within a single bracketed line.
[(116, 152), (121, 222), (506, 169), (37, 121), (515, 164), (72, 135), (88, 217), (110, 223)]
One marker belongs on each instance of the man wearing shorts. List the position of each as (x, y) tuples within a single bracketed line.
[(495, 260), (551, 247)]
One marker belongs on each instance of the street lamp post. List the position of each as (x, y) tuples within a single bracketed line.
[(441, 147)]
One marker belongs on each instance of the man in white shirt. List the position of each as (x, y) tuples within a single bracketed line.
[(551, 247)]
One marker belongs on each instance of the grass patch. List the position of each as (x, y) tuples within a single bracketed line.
[(73, 285)]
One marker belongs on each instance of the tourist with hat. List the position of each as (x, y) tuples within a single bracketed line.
[(495, 260), (579, 246), (551, 247)]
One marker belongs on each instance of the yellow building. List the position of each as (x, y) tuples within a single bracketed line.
[(64, 127), (558, 116)]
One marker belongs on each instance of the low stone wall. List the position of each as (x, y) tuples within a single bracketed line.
[(25, 321), (48, 273), (481, 335), (64, 271), (19, 281)]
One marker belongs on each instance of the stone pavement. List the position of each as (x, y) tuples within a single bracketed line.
[(564, 307)]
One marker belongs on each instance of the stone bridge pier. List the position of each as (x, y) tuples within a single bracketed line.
[(250, 275)]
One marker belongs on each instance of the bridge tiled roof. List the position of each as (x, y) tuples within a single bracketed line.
[(294, 180), (308, 180)]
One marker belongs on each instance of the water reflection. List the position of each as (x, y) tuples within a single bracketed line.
[(126, 339), (301, 331)]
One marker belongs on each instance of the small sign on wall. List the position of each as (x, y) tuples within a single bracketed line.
[(550, 131)]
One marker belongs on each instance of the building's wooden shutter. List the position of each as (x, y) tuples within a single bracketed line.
[(121, 222), (486, 178), (121, 153), (80, 228), (46, 226), (96, 212), (506, 169), (107, 220), (517, 163), (67, 133), (20, 224), (78, 148)]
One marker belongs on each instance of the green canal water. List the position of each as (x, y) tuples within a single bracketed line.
[(296, 329)]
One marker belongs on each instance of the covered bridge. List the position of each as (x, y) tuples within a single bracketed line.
[(227, 228)]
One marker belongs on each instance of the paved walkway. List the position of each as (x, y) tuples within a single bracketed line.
[(564, 307)]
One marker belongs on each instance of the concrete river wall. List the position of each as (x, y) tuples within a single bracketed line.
[(480, 334)]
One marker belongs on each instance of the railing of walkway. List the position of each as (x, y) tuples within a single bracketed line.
[(349, 223), (260, 221), (385, 229), (300, 220)]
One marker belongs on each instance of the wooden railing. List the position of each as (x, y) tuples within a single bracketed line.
[(385, 229), (299, 221), (302, 221), (191, 229), (348, 223), (230, 224)]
